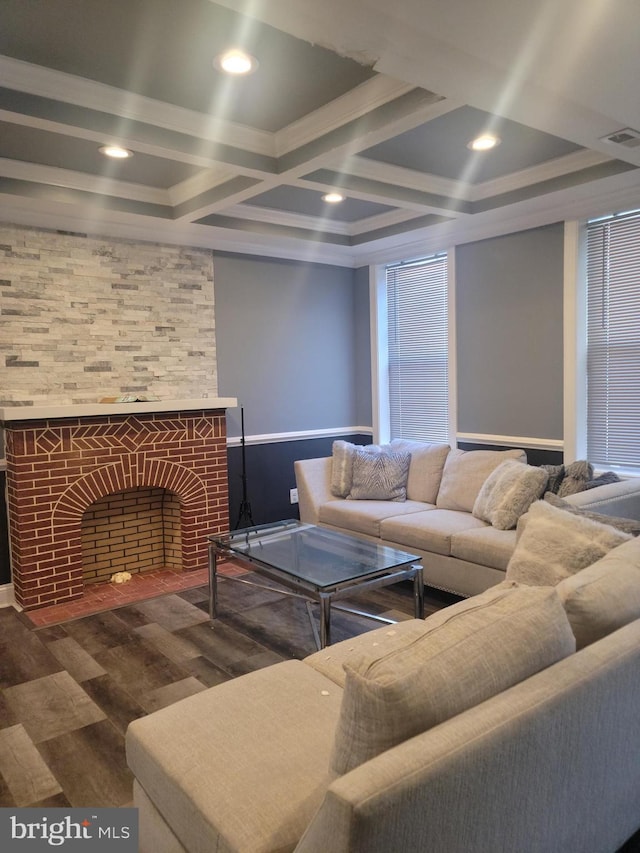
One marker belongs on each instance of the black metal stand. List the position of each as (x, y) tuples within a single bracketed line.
[(245, 518)]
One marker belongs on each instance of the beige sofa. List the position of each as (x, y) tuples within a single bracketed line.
[(479, 729), (460, 553)]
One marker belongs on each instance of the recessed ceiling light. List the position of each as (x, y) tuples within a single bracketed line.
[(485, 142), (116, 151), (235, 61), (333, 198)]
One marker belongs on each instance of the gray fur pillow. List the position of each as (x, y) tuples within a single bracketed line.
[(508, 492), (576, 477), (555, 544), (556, 476)]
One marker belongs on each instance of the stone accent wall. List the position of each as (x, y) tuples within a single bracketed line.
[(84, 318)]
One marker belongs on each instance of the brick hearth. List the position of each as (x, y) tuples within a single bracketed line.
[(59, 467)]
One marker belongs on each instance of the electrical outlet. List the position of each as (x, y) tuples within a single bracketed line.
[(293, 496)]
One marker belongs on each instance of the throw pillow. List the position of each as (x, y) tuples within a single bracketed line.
[(342, 465), (464, 473), (425, 468), (603, 480), (556, 475), (604, 596), (473, 650), (508, 492), (379, 476), (628, 525), (555, 544), (576, 477)]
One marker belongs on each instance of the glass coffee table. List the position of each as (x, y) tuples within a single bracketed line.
[(315, 564)]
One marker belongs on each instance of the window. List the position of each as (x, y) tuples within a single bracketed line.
[(417, 331), (613, 341)]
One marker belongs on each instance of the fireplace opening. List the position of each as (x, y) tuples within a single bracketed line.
[(131, 531)]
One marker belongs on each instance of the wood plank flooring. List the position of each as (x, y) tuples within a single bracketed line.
[(69, 691)]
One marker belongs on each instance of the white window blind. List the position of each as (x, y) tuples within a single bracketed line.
[(613, 341), (418, 350)]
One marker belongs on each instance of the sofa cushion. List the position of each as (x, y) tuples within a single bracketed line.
[(628, 525), (330, 661), (464, 473), (508, 492), (553, 544), (472, 651), (428, 531), (239, 742), (604, 596), (425, 468), (379, 476), (486, 546), (364, 516)]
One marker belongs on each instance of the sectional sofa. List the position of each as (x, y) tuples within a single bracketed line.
[(460, 551), (506, 722)]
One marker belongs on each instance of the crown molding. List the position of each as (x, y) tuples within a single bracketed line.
[(289, 220), (617, 192), (35, 80), (58, 216), (52, 175)]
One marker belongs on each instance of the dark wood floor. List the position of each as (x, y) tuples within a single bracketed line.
[(69, 691)]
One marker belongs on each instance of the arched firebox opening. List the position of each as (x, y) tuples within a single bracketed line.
[(133, 531)]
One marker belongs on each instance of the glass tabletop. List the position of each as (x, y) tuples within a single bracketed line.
[(310, 554)]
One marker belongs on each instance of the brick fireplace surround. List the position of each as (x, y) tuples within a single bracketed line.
[(62, 459)]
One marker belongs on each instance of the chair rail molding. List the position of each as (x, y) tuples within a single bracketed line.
[(512, 440)]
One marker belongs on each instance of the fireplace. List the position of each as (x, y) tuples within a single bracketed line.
[(66, 465)]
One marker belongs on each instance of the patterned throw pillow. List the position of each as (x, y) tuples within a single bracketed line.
[(380, 476), (342, 465)]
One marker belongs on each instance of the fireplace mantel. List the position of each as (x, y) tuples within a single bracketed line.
[(83, 410)]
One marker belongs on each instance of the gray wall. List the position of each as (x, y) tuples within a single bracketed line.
[(290, 344), (509, 306)]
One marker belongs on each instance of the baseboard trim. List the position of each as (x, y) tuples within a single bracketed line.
[(305, 435), (7, 598), (512, 441)]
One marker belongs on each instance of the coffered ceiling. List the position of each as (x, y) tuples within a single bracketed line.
[(375, 99)]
